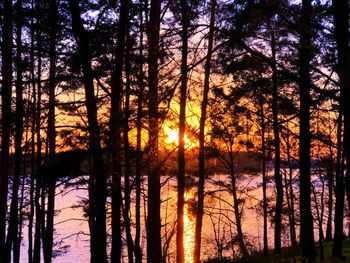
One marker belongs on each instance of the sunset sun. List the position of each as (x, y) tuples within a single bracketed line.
[(172, 138)]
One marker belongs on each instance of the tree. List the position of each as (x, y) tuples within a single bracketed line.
[(138, 168), (228, 131), (97, 182), (341, 31), (154, 251), (6, 92), (37, 111), (154, 248), (277, 150), (306, 219), (201, 155), (51, 135), (180, 255), (12, 232), (115, 130)]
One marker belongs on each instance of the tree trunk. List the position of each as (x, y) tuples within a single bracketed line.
[(6, 91), (138, 179), (201, 156), (13, 222), (341, 31), (17, 243), (154, 247), (38, 220), (339, 195), (277, 150), (330, 201), (291, 194), (288, 199), (237, 213), (319, 218), (306, 219), (181, 183), (264, 181), (127, 189), (33, 113), (12, 231), (51, 133), (98, 190), (39, 92), (115, 130), (39, 190)]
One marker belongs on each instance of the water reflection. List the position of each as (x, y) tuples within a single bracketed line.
[(189, 228), (218, 225)]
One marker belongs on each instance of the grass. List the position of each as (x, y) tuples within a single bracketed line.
[(328, 252), (288, 258)]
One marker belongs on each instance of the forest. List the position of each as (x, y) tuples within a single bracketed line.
[(182, 131)]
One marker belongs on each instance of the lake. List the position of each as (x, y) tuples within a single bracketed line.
[(71, 228)]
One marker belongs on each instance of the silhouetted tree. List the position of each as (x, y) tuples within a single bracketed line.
[(97, 181), (306, 219), (154, 248), (341, 31), (6, 92), (202, 125)]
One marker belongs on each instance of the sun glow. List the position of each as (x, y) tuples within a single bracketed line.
[(172, 138)]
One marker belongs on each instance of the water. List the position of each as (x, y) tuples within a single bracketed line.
[(71, 227), (71, 230)]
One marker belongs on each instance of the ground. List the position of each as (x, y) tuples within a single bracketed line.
[(287, 258)]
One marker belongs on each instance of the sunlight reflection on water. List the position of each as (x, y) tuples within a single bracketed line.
[(189, 228), (78, 251)]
